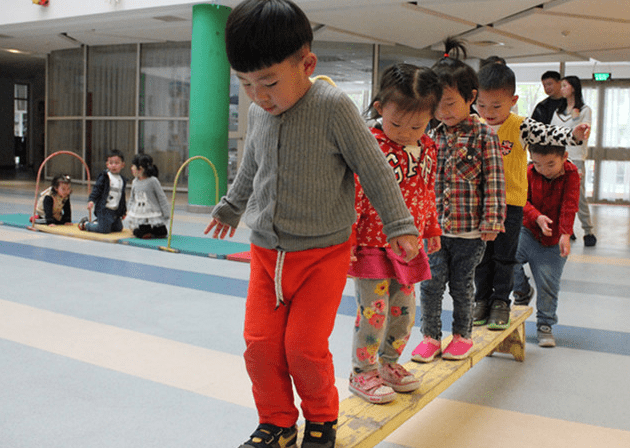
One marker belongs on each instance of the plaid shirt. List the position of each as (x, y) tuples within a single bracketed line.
[(469, 183)]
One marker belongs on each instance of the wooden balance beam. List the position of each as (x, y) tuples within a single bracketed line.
[(362, 424)]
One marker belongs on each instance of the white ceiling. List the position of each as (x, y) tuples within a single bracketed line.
[(517, 30)]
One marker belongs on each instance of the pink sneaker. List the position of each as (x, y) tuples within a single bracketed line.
[(398, 378), (427, 350), (371, 387), (459, 348)]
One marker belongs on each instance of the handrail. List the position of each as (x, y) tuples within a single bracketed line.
[(216, 190), (39, 172)]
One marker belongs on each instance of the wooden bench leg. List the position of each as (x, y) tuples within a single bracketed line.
[(514, 344)]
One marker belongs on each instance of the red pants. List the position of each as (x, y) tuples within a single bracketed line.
[(291, 342)]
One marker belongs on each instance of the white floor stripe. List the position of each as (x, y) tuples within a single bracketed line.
[(153, 358), (453, 424)]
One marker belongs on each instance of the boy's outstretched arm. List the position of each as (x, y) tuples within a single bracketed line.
[(405, 246), (582, 131), (220, 229)]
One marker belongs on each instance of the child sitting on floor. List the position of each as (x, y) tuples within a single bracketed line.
[(53, 206)]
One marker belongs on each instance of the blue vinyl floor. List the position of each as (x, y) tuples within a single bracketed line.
[(110, 345)]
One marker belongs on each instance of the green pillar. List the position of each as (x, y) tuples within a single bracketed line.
[(209, 104)]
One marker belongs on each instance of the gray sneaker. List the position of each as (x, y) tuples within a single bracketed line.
[(545, 337), (523, 298)]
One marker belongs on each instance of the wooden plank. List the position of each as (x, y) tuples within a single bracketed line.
[(364, 425)]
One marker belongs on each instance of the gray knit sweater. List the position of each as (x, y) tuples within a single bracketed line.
[(296, 181)]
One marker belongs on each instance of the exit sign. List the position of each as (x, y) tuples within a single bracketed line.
[(601, 76)]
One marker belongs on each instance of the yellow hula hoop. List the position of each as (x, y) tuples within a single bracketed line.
[(181, 168)]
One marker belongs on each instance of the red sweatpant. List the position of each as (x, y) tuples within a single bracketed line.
[(291, 342)]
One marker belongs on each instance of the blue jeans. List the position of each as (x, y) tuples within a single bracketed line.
[(454, 264), (546, 265), (494, 277), (106, 222)]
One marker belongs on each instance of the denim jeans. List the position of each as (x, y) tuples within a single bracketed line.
[(106, 222), (546, 265), (454, 264), (494, 277)]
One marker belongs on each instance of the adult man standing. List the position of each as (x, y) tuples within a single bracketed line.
[(544, 110)]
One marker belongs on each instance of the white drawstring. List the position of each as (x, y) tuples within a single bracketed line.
[(278, 278)]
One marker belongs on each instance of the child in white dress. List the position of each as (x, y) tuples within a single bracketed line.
[(149, 210)]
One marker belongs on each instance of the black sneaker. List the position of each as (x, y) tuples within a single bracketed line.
[(521, 298), (499, 316), (481, 311), (272, 436), (320, 435), (82, 223), (590, 240)]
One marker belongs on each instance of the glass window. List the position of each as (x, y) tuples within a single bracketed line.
[(167, 142), (616, 132), (614, 182), (65, 83), (65, 135), (591, 99), (103, 135), (349, 65), (529, 94), (111, 81), (165, 79)]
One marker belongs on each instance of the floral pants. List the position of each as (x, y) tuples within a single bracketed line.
[(385, 315)]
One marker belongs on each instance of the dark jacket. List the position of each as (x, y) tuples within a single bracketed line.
[(100, 192)]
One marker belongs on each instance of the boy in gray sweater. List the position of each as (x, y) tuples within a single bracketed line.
[(296, 188)]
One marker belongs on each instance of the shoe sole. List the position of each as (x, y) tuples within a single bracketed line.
[(418, 358), (403, 388), (371, 398), (480, 322), (495, 326), (547, 344), (450, 357)]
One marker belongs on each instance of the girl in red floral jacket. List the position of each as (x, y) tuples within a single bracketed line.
[(384, 282)]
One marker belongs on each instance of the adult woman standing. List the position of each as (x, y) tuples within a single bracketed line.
[(571, 112)]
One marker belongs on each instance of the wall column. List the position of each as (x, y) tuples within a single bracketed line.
[(209, 105)]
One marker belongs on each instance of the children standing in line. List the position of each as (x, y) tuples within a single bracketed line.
[(53, 205), (494, 277), (384, 283), (149, 210), (108, 197), (470, 198), (552, 201), (305, 140)]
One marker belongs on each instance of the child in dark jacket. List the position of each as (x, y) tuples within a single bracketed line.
[(108, 197)]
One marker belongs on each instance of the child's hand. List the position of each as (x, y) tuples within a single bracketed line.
[(353, 254), (544, 223), (582, 131), (489, 236), (434, 244), (90, 205), (220, 229), (565, 245), (405, 246)]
